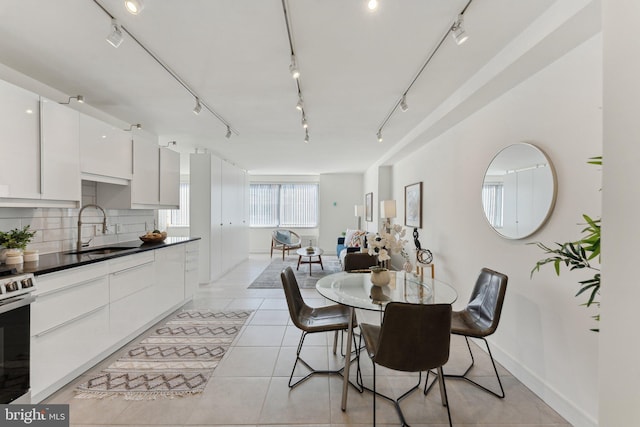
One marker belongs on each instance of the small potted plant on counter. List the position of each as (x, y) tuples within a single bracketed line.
[(15, 242)]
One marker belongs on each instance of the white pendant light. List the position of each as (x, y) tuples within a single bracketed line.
[(134, 7), (457, 31), (115, 37), (403, 103), (198, 107)]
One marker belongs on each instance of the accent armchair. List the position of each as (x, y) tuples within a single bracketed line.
[(285, 240)]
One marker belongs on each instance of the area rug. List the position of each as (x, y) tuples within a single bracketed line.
[(270, 277), (176, 358)]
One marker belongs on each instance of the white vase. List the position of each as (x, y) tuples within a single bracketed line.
[(380, 277)]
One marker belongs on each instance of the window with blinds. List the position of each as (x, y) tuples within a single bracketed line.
[(176, 217), (492, 195), (283, 205)]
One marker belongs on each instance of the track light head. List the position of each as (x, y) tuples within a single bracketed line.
[(379, 135), (299, 105), (305, 125), (115, 37), (198, 107), (403, 103), (78, 98), (134, 7), (228, 134), (306, 136), (457, 31), (293, 68)]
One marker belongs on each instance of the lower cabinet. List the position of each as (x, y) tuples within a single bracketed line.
[(131, 289), (191, 259), (69, 325), (82, 314)]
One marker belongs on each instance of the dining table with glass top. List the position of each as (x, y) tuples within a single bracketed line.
[(355, 290)]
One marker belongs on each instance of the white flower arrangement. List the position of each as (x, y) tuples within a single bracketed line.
[(385, 243)]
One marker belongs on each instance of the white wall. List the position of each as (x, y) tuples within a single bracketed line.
[(339, 193), (619, 394), (544, 336)]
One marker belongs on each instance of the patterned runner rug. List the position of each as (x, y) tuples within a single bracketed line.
[(270, 277), (176, 358)]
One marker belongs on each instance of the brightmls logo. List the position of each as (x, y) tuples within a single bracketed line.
[(34, 415)]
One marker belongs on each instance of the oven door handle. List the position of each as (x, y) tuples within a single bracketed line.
[(17, 303)]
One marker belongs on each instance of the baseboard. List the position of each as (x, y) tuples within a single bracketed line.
[(556, 400)]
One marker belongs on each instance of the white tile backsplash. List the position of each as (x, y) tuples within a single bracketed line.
[(57, 229)]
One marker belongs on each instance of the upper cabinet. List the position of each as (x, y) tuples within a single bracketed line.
[(169, 178), (60, 140), (155, 182), (20, 124), (106, 153), (40, 147), (145, 185)]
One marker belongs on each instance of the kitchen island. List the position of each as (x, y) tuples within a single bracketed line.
[(90, 303)]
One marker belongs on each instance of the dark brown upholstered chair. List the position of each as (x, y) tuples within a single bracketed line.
[(412, 338), (311, 320), (480, 318), (359, 261), (285, 240)]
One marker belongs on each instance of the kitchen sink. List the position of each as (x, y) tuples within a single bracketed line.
[(101, 251)]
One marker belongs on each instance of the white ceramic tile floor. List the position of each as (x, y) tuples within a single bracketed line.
[(249, 387)]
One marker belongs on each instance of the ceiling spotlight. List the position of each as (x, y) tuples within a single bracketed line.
[(78, 98), (372, 4), (293, 68), (457, 31), (198, 107), (306, 137), (134, 7), (403, 103), (299, 105), (379, 135), (115, 37), (304, 122), (228, 135)]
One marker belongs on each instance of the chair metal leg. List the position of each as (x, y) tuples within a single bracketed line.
[(443, 394), (311, 369), (495, 369)]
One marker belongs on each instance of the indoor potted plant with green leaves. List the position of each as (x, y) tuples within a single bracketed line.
[(14, 243)]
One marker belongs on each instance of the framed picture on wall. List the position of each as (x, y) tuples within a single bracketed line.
[(368, 207), (413, 205)]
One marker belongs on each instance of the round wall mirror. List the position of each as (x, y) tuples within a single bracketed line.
[(519, 191)]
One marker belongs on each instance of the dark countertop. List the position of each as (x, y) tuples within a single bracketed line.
[(58, 261)]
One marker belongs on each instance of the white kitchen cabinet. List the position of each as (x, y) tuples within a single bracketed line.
[(169, 178), (69, 325), (170, 266), (217, 196), (105, 151), (191, 257), (20, 143), (155, 182), (131, 288), (145, 185), (60, 152)]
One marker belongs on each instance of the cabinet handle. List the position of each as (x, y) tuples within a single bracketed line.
[(75, 285), (42, 165), (135, 267), (70, 321)]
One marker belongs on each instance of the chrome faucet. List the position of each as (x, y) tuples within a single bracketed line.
[(80, 244)]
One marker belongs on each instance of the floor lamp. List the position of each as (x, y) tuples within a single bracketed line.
[(359, 213), (388, 211)]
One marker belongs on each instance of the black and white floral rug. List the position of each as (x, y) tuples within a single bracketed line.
[(176, 359)]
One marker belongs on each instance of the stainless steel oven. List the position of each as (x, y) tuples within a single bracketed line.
[(15, 315)]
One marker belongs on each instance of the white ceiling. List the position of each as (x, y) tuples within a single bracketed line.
[(355, 64)]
